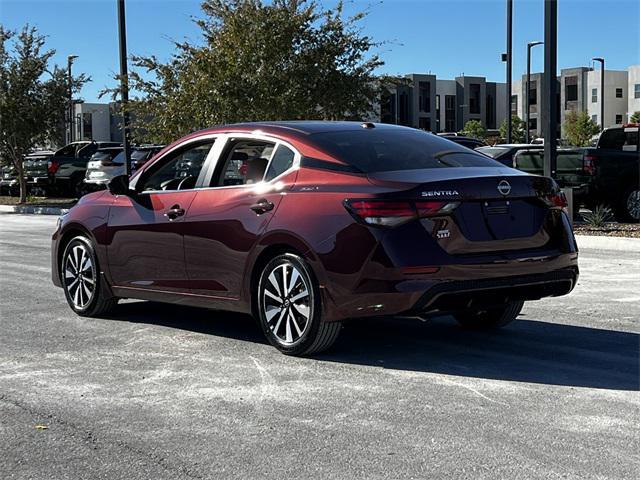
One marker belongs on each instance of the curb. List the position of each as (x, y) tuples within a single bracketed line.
[(619, 244), (34, 210)]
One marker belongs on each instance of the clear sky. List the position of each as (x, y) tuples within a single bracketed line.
[(445, 37)]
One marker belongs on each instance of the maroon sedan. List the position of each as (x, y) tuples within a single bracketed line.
[(306, 224)]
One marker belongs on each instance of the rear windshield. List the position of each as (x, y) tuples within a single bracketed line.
[(397, 149), (493, 152), (620, 139)]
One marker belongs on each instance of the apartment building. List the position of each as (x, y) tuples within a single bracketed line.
[(580, 90), (423, 101), (427, 102)]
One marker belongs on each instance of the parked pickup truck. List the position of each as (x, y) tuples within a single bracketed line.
[(608, 174), (64, 171)]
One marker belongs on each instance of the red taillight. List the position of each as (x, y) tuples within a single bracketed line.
[(393, 213), (589, 164), (52, 166), (558, 200)]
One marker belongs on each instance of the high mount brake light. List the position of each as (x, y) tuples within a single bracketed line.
[(392, 213)]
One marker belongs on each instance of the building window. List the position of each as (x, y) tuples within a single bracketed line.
[(437, 113), (636, 90), (618, 93), (594, 118), (491, 112), (474, 98), (424, 96), (514, 104), (570, 91), (388, 107), (449, 113), (424, 123), (87, 126), (618, 119), (533, 93), (403, 109), (533, 124), (594, 95)]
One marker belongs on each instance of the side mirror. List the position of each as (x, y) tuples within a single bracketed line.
[(119, 185)]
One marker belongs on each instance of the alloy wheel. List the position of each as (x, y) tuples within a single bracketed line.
[(79, 276), (287, 302), (633, 204)]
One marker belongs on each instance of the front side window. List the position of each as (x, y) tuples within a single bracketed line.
[(179, 171)]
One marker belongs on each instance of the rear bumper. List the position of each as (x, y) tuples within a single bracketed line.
[(468, 294), (456, 287)]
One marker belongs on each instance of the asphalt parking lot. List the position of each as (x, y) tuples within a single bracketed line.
[(160, 391)]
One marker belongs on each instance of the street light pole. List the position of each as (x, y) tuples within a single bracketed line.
[(71, 115), (509, 58), (549, 99), (601, 60), (124, 87), (530, 45)]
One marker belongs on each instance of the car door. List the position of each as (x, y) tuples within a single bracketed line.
[(226, 219), (145, 230)]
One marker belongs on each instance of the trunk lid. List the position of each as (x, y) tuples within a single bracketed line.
[(500, 208)]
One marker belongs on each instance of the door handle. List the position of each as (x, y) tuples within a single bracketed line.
[(174, 212), (262, 206)]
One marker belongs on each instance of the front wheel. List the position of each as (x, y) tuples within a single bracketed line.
[(490, 318), (81, 279), (290, 309)]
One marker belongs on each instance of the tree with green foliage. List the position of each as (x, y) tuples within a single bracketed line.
[(578, 129), (33, 97), (475, 129), (259, 60), (635, 117), (517, 129)]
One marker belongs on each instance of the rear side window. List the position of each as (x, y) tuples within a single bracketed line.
[(280, 162), (390, 149)]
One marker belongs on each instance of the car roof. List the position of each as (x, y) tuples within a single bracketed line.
[(519, 145), (300, 127)]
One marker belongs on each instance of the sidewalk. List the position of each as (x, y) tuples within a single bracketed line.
[(33, 209), (619, 244)]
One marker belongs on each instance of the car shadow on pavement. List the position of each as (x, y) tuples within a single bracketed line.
[(533, 351)]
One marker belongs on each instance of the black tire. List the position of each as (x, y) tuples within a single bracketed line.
[(287, 278), (490, 318), (77, 281), (628, 209)]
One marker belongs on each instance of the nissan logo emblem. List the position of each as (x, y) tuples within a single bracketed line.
[(504, 187)]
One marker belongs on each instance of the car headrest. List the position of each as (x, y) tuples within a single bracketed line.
[(240, 156), (255, 170)]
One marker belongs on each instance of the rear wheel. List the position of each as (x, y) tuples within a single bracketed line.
[(490, 318), (81, 279), (629, 208), (290, 310)]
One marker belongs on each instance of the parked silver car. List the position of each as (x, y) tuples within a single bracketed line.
[(107, 163)]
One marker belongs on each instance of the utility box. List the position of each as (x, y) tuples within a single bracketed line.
[(568, 192)]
